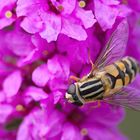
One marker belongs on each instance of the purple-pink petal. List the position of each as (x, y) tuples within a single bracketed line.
[(35, 93), (51, 27), (86, 17), (40, 75), (5, 22), (5, 111), (70, 132), (105, 14), (111, 2), (73, 30), (69, 6), (12, 83), (43, 43), (32, 24)]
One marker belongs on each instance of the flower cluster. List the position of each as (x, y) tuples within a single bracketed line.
[(42, 43)]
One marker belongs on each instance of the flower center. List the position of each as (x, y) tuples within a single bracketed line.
[(55, 9), (82, 3), (84, 132), (8, 14), (20, 107), (60, 8), (45, 52), (76, 117)]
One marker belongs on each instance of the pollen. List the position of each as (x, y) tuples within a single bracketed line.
[(82, 4), (84, 131), (45, 52), (8, 14), (20, 108), (60, 8)]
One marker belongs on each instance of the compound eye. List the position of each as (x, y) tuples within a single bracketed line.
[(71, 89)]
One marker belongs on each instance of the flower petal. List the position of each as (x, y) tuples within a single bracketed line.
[(57, 96), (111, 2), (5, 22), (35, 93), (70, 132), (23, 43), (5, 111), (124, 11), (105, 15), (12, 83), (52, 26), (32, 23), (4, 3), (69, 6), (2, 96), (25, 8), (86, 17), (73, 30), (40, 75)]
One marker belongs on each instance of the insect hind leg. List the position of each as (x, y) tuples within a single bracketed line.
[(97, 105), (93, 67)]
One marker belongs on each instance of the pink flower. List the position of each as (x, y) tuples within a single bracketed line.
[(35, 65), (74, 47), (50, 18), (72, 123), (34, 46), (10, 84), (106, 12), (53, 76), (7, 13)]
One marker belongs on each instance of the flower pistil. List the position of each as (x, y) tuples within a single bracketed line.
[(8, 14)]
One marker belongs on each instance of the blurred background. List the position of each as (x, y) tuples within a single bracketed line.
[(131, 125)]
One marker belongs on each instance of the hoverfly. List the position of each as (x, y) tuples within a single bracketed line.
[(110, 76)]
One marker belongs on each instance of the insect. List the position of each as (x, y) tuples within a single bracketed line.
[(110, 76)]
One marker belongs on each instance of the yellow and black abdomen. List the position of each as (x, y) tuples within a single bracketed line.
[(122, 72)]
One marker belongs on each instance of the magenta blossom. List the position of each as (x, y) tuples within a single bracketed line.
[(7, 13), (48, 41), (49, 18), (106, 12), (72, 123)]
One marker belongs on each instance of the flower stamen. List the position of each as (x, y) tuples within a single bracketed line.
[(45, 52), (60, 8), (82, 3), (20, 107), (84, 132), (8, 14)]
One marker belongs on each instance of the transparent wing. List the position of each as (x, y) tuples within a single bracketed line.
[(115, 47), (128, 97)]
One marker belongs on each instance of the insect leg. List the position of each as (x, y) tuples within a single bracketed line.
[(97, 105), (94, 106), (72, 77), (92, 65)]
